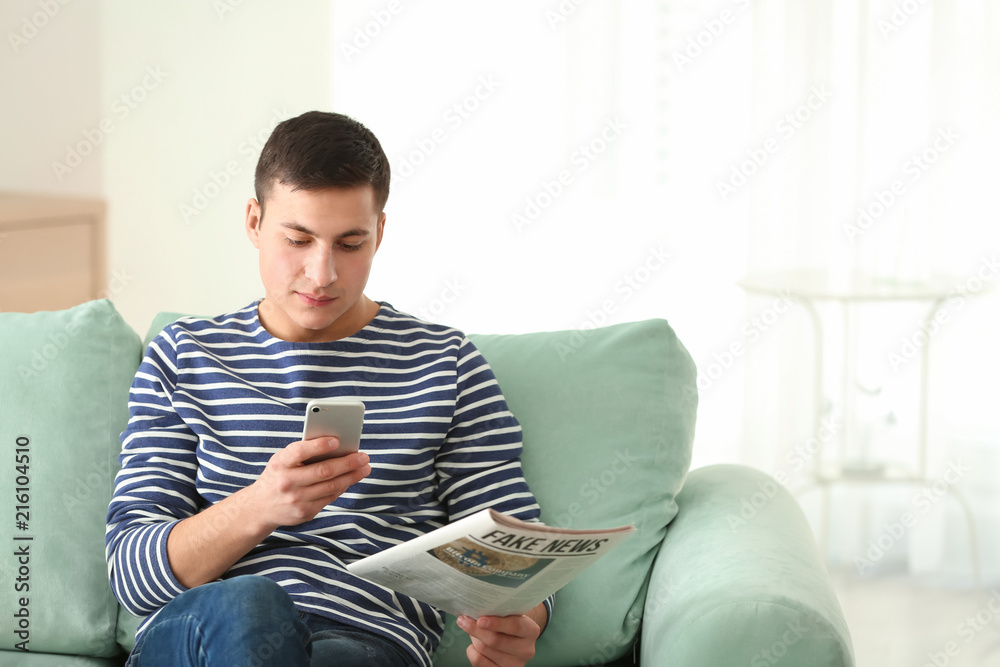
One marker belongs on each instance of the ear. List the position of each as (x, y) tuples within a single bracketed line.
[(379, 229), (253, 221)]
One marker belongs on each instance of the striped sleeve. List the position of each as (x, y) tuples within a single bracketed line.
[(550, 603), (155, 487), (479, 464)]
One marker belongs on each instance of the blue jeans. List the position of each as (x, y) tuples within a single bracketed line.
[(250, 621)]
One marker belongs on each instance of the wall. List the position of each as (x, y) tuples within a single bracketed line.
[(51, 73), (198, 88)]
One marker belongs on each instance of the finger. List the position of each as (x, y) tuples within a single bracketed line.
[(331, 489), (288, 462), (477, 659), (493, 656), (499, 646), (307, 449), (320, 479), (517, 625), (295, 453), (322, 471)]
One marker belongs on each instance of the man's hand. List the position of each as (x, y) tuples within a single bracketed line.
[(288, 493), (503, 641), (202, 547)]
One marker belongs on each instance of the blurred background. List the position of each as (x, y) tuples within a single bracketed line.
[(806, 191)]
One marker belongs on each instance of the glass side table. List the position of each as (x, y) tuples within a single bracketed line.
[(808, 287)]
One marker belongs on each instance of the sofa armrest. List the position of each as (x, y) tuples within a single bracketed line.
[(739, 581)]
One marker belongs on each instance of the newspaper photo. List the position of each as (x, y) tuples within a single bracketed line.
[(487, 563)]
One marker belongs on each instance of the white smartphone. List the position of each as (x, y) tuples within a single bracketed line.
[(341, 417)]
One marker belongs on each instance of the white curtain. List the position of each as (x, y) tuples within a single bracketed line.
[(893, 177), (552, 154)]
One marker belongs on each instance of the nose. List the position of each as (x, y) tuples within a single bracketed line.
[(320, 267)]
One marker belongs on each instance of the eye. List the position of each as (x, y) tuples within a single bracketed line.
[(294, 242), (351, 248)]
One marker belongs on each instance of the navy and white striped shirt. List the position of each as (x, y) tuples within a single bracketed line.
[(214, 398)]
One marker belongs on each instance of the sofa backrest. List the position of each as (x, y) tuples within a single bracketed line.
[(608, 417), (63, 404)]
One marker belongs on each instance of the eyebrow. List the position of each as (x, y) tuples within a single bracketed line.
[(357, 231)]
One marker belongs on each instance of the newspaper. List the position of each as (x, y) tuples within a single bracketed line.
[(487, 563)]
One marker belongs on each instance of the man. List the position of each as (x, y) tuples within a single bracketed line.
[(213, 487)]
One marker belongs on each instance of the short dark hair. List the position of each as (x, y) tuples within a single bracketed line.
[(319, 150)]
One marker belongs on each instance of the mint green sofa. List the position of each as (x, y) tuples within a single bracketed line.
[(722, 572)]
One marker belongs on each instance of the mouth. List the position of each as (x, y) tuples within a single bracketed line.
[(315, 301)]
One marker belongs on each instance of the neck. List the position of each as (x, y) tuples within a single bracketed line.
[(360, 314)]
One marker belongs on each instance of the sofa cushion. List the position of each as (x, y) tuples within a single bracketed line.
[(63, 404), (608, 416)]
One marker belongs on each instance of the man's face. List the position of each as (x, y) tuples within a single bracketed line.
[(316, 250)]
